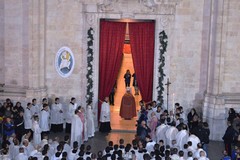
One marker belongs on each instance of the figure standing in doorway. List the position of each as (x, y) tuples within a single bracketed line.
[(135, 84), (127, 77), (128, 105)]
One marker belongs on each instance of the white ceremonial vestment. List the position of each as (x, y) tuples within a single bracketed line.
[(160, 132), (171, 133), (105, 112), (150, 146), (44, 120), (27, 118), (181, 138), (36, 133), (90, 121), (197, 153), (195, 140), (21, 156), (35, 109), (76, 130), (70, 112), (56, 114), (13, 151)]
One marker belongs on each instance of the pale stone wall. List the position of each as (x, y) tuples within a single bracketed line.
[(64, 27), (2, 42), (230, 55), (13, 44), (185, 57)]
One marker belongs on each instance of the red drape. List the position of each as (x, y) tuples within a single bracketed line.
[(112, 36), (142, 46)]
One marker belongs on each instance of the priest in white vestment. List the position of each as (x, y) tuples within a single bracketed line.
[(90, 119), (160, 131), (195, 140), (57, 116), (28, 117), (36, 131), (70, 113), (44, 119), (171, 133), (35, 108), (182, 137), (105, 117), (76, 129)]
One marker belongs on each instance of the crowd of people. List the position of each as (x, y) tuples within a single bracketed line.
[(174, 135), (160, 134), (25, 129), (231, 137)]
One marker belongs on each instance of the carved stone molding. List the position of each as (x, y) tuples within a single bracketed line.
[(138, 6), (91, 19), (165, 20), (106, 5)]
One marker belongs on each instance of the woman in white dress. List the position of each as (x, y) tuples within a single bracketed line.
[(90, 120)]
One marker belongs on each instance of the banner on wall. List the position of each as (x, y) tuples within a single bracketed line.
[(64, 62)]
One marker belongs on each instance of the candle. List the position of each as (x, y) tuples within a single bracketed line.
[(173, 104)]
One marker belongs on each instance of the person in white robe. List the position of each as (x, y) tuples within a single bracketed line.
[(70, 113), (182, 137), (36, 131), (161, 130), (105, 125), (28, 118), (27, 146), (76, 129), (90, 120), (57, 116), (170, 134), (14, 149), (85, 135), (35, 108), (149, 144), (21, 155), (197, 153), (195, 140), (44, 119)]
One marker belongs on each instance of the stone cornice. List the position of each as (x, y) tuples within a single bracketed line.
[(126, 7)]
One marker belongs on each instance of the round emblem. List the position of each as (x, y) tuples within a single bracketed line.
[(64, 62)]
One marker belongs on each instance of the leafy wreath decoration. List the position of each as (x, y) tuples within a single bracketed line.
[(89, 74), (163, 39)]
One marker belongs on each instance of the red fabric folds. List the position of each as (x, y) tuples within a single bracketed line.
[(112, 36), (142, 46)]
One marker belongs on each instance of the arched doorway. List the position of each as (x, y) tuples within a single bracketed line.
[(112, 36)]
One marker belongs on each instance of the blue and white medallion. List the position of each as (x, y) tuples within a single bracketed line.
[(64, 62)]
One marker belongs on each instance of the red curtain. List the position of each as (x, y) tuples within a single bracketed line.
[(142, 46), (112, 36)]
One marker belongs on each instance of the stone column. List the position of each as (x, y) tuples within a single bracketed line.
[(37, 50), (214, 111)]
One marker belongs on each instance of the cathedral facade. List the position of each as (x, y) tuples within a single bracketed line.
[(44, 45)]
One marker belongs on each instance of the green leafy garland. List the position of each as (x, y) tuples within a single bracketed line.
[(89, 74), (162, 48)]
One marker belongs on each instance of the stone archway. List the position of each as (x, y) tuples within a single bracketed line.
[(162, 13)]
